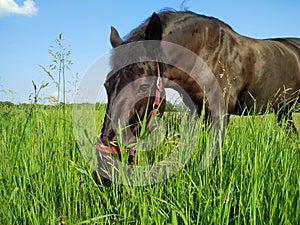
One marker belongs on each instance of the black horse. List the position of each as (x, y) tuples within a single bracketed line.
[(250, 72)]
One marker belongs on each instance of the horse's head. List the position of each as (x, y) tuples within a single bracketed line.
[(134, 92)]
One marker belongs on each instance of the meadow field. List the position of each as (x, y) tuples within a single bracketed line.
[(45, 180)]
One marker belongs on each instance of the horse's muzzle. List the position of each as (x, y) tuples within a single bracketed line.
[(108, 157), (110, 149)]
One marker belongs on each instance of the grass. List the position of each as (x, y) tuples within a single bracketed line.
[(45, 180)]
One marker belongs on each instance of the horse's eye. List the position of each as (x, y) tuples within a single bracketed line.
[(143, 88)]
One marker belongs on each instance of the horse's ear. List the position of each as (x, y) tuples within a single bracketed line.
[(154, 28), (115, 39)]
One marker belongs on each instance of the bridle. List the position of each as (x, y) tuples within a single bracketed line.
[(112, 149)]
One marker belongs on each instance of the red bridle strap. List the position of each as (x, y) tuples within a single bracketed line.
[(159, 86), (158, 90), (108, 149)]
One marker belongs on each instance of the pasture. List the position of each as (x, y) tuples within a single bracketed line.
[(45, 180)]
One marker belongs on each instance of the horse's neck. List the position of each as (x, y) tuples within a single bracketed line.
[(202, 40), (211, 46)]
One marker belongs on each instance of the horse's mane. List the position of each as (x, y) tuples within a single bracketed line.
[(167, 15)]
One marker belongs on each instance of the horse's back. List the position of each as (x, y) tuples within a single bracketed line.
[(293, 43)]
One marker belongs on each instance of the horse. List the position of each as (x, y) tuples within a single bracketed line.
[(252, 73)]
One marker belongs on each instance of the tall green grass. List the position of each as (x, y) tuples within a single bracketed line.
[(45, 180)]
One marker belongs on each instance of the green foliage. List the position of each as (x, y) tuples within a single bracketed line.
[(170, 107), (45, 180), (61, 62), (6, 104), (34, 97)]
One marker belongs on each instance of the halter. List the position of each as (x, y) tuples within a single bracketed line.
[(156, 103), (111, 149)]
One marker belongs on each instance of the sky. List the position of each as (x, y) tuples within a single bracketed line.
[(28, 28)]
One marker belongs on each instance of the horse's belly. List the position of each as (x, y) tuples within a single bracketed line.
[(275, 78), (269, 93)]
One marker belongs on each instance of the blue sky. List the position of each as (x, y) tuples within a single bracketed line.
[(28, 28)]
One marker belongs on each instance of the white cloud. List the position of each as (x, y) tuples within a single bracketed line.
[(11, 7)]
